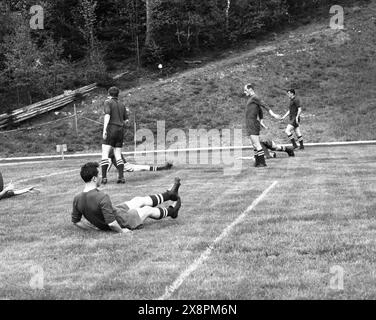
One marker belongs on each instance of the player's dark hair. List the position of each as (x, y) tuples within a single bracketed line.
[(89, 171), (292, 91), (114, 92), (250, 86)]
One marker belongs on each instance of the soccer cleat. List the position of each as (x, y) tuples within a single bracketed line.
[(176, 208), (301, 148), (290, 152), (273, 155), (261, 165), (174, 192), (168, 165), (261, 162), (121, 181), (257, 161), (104, 181)]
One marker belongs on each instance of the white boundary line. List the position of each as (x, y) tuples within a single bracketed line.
[(47, 176), (87, 155), (8, 164), (205, 255)]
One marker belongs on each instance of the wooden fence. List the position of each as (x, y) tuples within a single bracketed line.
[(25, 113)]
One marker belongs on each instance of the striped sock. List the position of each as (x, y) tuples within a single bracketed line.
[(120, 167), (261, 153), (152, 168), (300, 140), (158, 199), (105, 164), (167, 212), (164, 213)]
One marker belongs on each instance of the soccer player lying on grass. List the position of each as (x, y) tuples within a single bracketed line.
[(129, 167), (269, 147), (9, 191), (99, 213)]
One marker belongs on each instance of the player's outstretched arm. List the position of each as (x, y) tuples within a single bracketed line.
[(274, 115), (22, 191), (263, 124), (286, 115)]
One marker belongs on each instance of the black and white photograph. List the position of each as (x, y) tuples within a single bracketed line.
[(207, 153)]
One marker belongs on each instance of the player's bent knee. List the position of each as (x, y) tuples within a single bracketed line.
[(135, 203)]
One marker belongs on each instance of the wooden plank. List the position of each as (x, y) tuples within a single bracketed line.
[(45, 106)]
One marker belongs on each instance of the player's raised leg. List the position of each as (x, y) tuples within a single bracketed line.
[(159, 213), (157, 199)]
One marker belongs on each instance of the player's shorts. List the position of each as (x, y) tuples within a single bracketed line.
[(294, 123), (8, 194), (115, 136), (254, 128), (128, 218)]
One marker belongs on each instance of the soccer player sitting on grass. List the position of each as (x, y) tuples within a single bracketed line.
[(100, 214), (269, 147), (9, 191), (129, 167)]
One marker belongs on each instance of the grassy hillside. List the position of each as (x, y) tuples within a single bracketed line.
[(334, 73)]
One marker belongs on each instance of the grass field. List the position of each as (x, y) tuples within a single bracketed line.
[(319, 213)]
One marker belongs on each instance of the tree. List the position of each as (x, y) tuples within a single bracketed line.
[(150, 7), (95, 66), (22, 60)]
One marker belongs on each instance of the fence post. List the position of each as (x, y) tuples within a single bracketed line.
[(135, 132), (75, 119)]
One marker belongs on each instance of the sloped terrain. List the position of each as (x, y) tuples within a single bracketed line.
[(334, 72)]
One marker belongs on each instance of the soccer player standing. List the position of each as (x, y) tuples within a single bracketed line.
[(254, 120), (295, 111), (115, 119)]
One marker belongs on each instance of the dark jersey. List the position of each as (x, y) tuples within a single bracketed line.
[(96, 207), (294, 107), (117, 111), (6, 195), (254, 114)]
